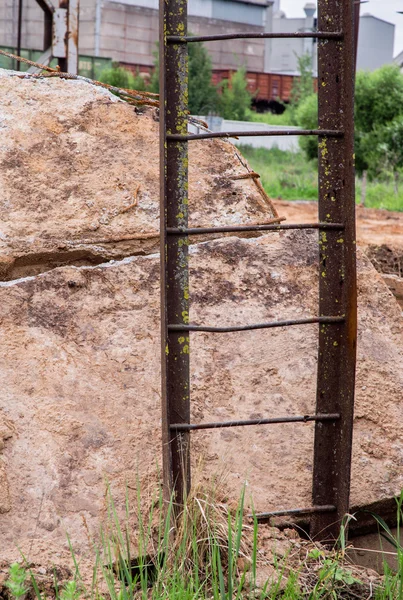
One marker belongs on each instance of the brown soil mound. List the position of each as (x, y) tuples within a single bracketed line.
[(379, 233)]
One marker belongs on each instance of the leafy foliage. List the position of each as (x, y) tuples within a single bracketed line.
[(378, 101), (306, 116), (303, 85), (202, 93), (122, 78), (235, 99), (378, 124), (16, 582), (384, 149)]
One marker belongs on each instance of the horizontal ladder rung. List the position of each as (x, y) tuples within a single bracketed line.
[(319, 35), (250, 422), (295, 512), (178, 137), (269, 325), (262, 227)]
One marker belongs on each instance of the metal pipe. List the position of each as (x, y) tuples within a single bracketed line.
[(357, 10), (175, 137), (241, 228), (270, 325), (320, 35), (251, 422), (338, 281), (97, 26), (174, 270)]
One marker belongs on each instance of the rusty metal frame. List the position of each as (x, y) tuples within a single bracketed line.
[(61, 29), (338, 277), (174, 249), (337, 318)]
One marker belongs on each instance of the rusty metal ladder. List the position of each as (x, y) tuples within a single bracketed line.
[(337, 317)]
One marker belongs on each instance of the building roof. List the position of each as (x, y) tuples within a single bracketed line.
[(399, 59), (256, 2), (369, 16)]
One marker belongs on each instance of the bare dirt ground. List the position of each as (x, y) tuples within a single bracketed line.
[(379, 234), (374, 226)]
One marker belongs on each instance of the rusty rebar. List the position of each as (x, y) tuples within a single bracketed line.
[(252, 422)]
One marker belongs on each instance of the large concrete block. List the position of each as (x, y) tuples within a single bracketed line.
[(79, 321)]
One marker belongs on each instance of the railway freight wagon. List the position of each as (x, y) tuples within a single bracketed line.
[(269, 90)]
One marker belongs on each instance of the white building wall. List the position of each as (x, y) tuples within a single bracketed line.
[(282, 55), (201, 8), (376, 42), (239, 13)]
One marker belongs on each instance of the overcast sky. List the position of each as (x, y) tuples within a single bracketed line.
[(384, 9)]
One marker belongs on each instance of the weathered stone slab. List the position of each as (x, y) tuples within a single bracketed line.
[(79, 177), (79, 373), (80, 351)]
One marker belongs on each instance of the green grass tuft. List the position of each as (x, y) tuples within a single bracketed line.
[(211, 553)]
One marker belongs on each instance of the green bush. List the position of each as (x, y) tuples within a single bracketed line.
[(122, 78), (202, 93), (235, 99), (306, 116), (378, 102)]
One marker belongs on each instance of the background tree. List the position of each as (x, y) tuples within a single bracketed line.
[(378, 122), (122, 78), (385, 151), (202, 93), (302, 85), (306, 116), (235, 99), (378, 101)]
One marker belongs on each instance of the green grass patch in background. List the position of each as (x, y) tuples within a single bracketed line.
[(284, 175), (290, 176), (270, 118), (380, 194)]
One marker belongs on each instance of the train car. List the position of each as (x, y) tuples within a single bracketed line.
[(270, 91)]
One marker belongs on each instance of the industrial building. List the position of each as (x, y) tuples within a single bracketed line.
[(127, 31)]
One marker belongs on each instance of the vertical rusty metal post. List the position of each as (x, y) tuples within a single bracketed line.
[(174, 249), (19, 33), (60, 34), (72, 36), (337, 287), (65, 35), (48, 11)]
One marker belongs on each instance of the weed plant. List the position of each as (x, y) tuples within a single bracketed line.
[(212, 553)]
